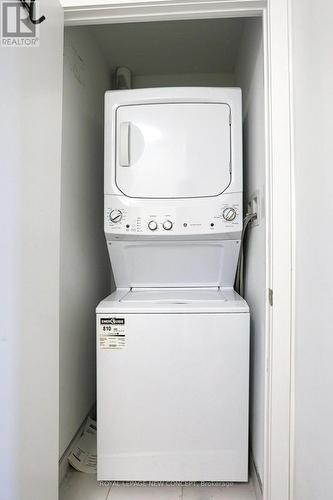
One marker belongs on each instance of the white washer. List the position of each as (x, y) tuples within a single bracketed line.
[(173, 339), (173, 386)]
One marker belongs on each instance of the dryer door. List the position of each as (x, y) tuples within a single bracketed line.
[(178, 150)]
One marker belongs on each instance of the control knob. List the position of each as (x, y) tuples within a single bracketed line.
[(115, 216), (167, 225), (229, 214), (152, 225)]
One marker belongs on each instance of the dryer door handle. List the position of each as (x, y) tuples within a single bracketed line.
[(124, 154)]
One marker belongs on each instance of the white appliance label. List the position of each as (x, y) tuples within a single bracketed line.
[(111, 332)]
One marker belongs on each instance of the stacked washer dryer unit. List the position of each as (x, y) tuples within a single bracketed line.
[(173, 338)]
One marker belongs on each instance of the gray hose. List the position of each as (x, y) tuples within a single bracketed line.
[(239, 279)]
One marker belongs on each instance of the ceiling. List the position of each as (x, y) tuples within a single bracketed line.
[(169, 47)]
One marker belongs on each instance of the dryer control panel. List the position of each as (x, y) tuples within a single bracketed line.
[(222, 217)]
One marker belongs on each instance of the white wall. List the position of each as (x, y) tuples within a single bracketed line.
[(312, 39), (30, 106), (185, 79), (250, 77), (84, 264)]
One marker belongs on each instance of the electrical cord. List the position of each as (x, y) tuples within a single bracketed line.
[(239, 278)]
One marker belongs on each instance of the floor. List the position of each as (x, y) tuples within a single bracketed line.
[(79, 486)]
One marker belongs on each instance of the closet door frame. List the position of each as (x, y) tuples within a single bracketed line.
[(275, 14)]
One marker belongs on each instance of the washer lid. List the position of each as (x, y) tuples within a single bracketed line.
[(173, 150), (174, 296), (172, 301)]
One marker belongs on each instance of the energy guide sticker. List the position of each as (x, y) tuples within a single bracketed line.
[(111, 331)]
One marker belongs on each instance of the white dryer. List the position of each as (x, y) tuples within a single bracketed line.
[(173, 339)]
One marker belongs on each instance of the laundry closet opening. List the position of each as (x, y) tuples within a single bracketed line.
[(226, 52)]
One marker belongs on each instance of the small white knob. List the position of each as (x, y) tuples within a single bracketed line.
[(115, 216), (229, 214), (152, 225), (167, 225)]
